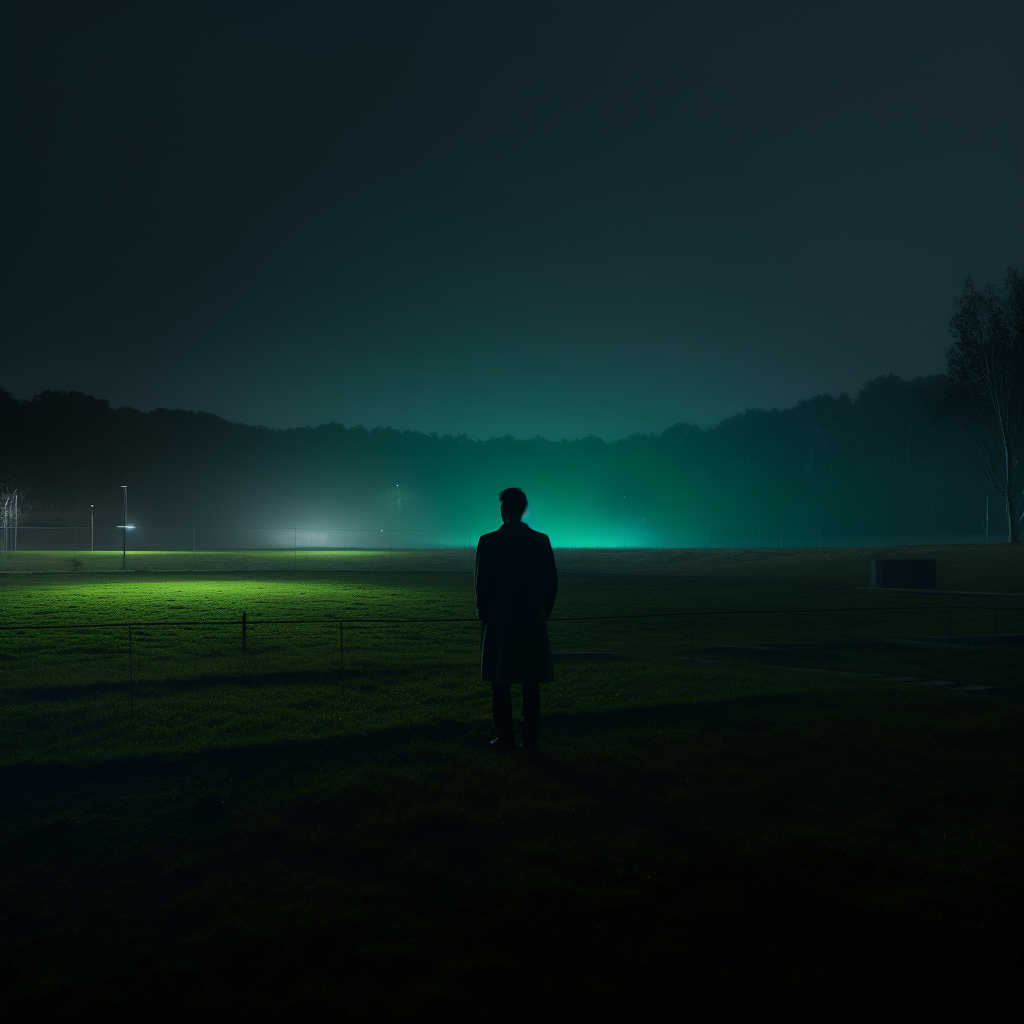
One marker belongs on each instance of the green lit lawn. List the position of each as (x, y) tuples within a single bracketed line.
[(993, 567), (628, 582), (233, 561), (711, 839)]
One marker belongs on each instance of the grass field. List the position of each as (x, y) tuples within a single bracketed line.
[(769, 824), (961, 566)]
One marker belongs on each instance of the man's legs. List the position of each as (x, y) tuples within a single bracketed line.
[(531, 715), (501, 702)]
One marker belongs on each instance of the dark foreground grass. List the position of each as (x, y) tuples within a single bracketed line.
[(715, 840), (759, 841)]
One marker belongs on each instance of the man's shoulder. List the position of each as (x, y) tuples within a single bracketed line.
[(505, 535)]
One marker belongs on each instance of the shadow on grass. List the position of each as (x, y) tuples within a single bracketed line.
[(253, 680), (380, 745), (697, 859), (443, 738)]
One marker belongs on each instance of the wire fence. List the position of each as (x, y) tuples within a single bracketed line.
[(976, 647)]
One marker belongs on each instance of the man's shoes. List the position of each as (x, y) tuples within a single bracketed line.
[(503, 746)]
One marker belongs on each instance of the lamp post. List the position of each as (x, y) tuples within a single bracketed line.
[(124, 528), (92, 527)]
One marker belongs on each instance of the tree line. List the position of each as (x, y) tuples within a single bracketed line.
[(903, 457), (872, 465)]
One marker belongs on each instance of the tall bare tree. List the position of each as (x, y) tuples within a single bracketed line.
[(983, 412)]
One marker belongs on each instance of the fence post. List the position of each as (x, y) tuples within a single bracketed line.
[(341, 652), (244, 624), (131, 698)]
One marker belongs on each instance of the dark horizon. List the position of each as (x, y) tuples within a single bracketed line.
[(829, 467), (74, 393), (563, 220)]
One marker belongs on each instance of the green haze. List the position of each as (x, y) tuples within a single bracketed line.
[(828, 470)]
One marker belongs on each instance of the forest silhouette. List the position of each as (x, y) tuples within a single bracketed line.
[(874, 465)]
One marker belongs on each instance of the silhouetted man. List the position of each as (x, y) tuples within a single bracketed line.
[(516, 583)]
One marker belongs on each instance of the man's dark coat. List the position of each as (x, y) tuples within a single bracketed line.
[(516, 583)]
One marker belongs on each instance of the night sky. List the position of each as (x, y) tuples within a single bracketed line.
[(501, 218)]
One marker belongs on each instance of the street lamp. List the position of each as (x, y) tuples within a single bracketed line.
[(92, 527), (124, 535)]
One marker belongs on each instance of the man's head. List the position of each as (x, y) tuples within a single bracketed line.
[(513, 504)]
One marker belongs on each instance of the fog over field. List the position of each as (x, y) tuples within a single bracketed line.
[(871, 466)]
